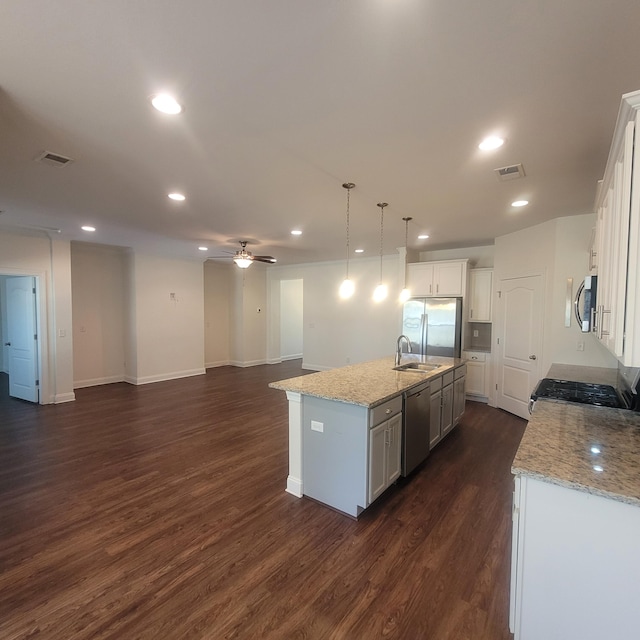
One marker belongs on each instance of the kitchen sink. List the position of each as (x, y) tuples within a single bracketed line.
[(417, 366)]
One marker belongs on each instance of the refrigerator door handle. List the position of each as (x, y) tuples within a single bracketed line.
[(424, 332)]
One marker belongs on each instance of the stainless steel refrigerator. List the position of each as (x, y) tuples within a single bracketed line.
[(433, 325)]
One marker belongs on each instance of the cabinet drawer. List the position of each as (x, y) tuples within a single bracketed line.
[(435, 383), (384, 411), (475, 356), (447, 378), (460, 372)]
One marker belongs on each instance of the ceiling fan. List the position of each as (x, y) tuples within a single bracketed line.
[(244, 258)]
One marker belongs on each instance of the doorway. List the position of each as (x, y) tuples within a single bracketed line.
[(19, 328), (519, 343), (291, 303)]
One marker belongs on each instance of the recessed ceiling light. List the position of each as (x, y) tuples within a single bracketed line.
[(490, 143), (178, 197), (296, 232), (203, 248), (167, 104), (423, 237), (359, 251), (87, 227), (520, 203)]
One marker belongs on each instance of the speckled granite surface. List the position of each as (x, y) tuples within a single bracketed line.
[(557, 447), (577, 373), (366, 384)]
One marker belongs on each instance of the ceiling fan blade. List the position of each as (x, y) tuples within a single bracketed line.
[(269, 259)]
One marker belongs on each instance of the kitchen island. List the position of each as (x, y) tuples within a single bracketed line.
[(345, 427), (576, 519)]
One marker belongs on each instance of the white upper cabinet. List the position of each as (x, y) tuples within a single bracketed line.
[(618, 239), (480, 285), (444, 278)]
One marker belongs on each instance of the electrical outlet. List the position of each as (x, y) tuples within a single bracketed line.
[(580, 345), (475, 333), (317, 426)]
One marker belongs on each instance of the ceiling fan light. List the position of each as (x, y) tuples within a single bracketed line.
[(243, 262), (380, 293), (347, 288)]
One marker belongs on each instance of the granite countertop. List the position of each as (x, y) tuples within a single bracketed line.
[(557, 448), (367, 384)]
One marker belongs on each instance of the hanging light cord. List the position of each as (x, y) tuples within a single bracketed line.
[(348, 186), (406, 245), (382, 205)]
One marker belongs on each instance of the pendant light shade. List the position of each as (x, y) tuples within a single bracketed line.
[(405, 294), (347, 288), (381, 291)]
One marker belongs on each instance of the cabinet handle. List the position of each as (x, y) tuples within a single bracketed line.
[(471, 313), (388, 411), (602, 331), (437, 288)]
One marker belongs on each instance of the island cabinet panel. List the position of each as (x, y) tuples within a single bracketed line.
[(575, 564), (335, 451), (350, 454)]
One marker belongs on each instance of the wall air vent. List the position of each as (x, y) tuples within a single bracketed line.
[(53, 159), (513, 172)]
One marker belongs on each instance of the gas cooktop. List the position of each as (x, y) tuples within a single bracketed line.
[(597, 394)]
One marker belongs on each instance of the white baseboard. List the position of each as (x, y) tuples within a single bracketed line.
[(295, 356), (162, 377), (250, 363), (294, 487), (315, 367), (220, 363), (64, 397), (96, 382)]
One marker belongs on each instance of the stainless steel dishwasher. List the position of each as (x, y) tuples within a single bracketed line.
[(415, 427)]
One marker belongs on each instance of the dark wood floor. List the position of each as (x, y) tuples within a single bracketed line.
[(159, 512)]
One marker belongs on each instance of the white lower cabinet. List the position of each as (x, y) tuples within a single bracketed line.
[(446, 419), (435, 415), (384, 455), (575, 564), (459, 396)]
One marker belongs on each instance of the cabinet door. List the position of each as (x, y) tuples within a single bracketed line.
[(481, 285), (435, 418), (448, 278), (420, 277), (447, 410), (377, 460), (475, 378), (458, 400), (394, 449)]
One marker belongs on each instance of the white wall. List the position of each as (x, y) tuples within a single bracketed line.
[(249, 315), (99, 311), (338, 332), (557, 250), (24, 253), (291, 319), (217, 313), (168, 333)]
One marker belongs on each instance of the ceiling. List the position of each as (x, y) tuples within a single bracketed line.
[(285, 100)]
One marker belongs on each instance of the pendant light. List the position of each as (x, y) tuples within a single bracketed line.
[(347, 287), (380, 292), (405, 294)]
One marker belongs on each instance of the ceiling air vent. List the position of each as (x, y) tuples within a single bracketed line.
[(53, 159), (513, 172)]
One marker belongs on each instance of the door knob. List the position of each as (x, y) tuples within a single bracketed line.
[(533, 358)]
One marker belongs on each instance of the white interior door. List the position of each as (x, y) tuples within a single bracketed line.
[(519, 342), (22, 338)]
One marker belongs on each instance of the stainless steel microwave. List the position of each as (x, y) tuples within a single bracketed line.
[(585, 304)]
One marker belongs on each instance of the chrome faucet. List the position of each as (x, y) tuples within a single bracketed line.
[(399, 348)]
